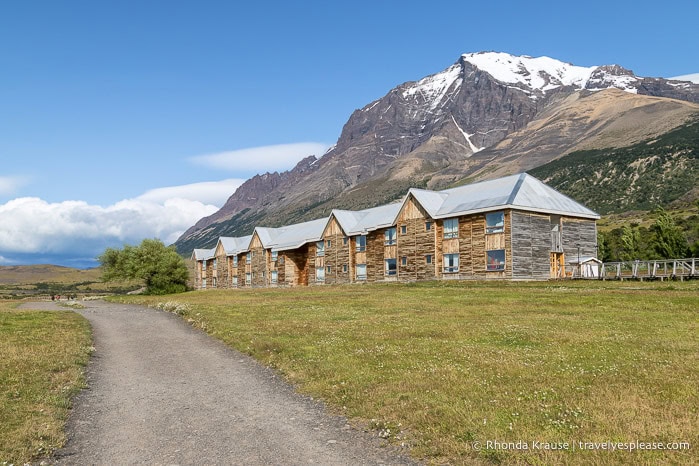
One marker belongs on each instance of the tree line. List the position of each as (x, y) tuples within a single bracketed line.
[(664, 239)]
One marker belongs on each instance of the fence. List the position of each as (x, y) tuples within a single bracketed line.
[(679, 269)]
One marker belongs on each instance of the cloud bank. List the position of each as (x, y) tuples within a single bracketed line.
[(262, 159), (33, 230)]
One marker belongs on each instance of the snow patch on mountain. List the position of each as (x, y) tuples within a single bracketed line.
[(542, 73), (433, 88)]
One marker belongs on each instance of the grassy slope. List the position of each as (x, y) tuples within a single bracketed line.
[(441, 365), (640, 177), (40, 369)]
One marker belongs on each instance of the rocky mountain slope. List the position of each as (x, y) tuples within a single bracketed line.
[(487, 115)]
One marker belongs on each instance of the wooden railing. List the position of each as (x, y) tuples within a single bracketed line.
[(650, 269)]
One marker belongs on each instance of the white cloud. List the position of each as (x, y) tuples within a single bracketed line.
[(260, 159), (208, 192), (10, 184), (31, 226), (694, 77)]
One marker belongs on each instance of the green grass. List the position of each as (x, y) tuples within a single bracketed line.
[(42, 355), (438, 366)]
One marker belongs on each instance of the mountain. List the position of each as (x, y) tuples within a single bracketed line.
[(487, 115)]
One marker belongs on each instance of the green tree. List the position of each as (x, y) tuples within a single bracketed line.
[(669, 241), (162, 270), (630, 243)]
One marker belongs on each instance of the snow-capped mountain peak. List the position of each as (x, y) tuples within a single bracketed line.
[(540, 73)]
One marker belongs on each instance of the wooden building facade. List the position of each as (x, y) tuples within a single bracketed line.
[(514, 228)]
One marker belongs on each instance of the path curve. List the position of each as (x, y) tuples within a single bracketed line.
[(162, 392)]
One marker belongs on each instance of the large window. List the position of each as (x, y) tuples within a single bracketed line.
[(235, 261), (451, 228), (495, 260), (495, 222), (248, 278), (248, 258), (451, 263), (320, 248), (275, 254), (390, 236), (273, 276), (360, 273), (390, 267), (361, 243), (235, 281), (320, 274)]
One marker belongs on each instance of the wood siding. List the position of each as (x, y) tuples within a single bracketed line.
[(578, 232), (415, 244), (337, 255), (531, 246)]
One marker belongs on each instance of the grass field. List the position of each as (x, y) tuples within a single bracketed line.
[(449, 369), (41, 359)]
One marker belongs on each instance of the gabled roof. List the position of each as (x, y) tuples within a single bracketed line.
[(203, 254), (358, 222), (233, 246), (296, 235), (521, 191)]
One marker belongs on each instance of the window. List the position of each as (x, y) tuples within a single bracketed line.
[(451, 228), (235, 281), (328, 269), (235, 261), (320, 248), (203, 283), (281, 260), (403, 229), (344, 268), (361, 272), (428, 226), (248, 258), (404, 260), (248, 278), (273, 276), (345, 240), (275, 254), (213, 282), (495, 222), (390, 267), (215, 262), (320, 274), (428, 258), (361, 243), (390, 236), (495, 260), (451, 263), (328, 244)]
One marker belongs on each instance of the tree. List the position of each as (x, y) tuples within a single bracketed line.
[(669, 241), (161, 268)]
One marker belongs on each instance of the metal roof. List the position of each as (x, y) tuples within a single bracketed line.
[(203, 254), (521, 191), (294, 236), (358, 222), (233, 246)]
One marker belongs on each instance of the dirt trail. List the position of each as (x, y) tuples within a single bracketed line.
[(161, 392)]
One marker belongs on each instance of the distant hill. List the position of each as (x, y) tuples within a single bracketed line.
[(31, 274)]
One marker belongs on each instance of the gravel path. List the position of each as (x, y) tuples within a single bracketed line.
[(162, 392)]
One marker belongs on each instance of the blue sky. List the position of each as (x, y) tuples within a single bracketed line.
[(106, 103)]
